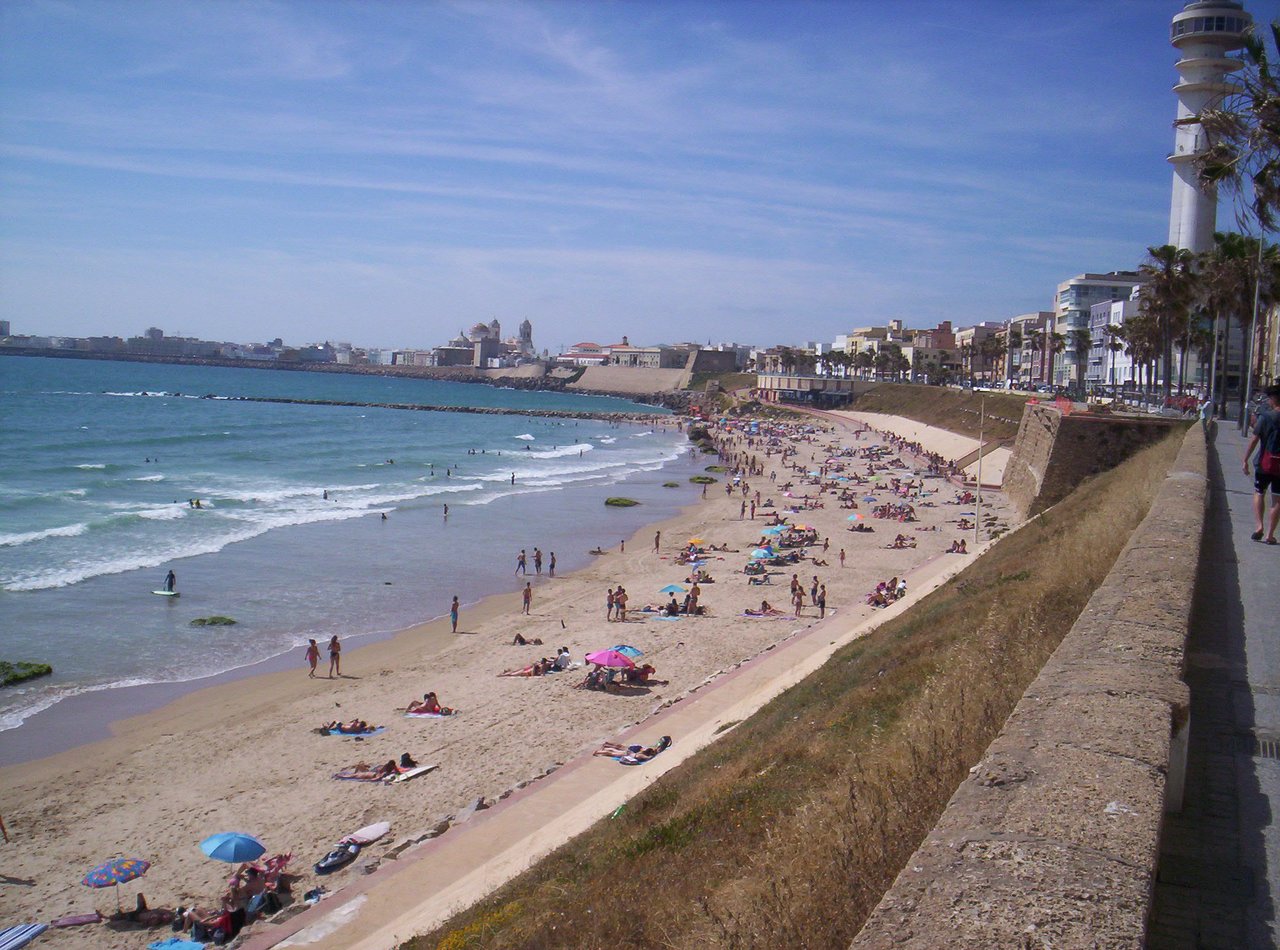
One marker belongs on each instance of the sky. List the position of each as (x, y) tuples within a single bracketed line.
[(386, 173)]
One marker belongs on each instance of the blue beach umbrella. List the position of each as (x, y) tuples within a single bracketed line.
[(775, 529), (869, 498), (233, 847), (630, 651), (672, 589), (114, 872), (762, 553)]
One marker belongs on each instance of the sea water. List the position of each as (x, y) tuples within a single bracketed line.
[(101, 462)]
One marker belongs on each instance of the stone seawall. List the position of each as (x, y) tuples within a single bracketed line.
[(1054, 452), (1052, 841)]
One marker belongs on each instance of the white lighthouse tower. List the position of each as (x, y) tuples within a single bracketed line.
[(1204, 33)]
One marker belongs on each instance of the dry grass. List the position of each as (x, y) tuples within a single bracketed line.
[(788, 830), (947, 408)]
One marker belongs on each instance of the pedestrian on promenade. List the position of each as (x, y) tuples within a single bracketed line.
[(1266, 474)]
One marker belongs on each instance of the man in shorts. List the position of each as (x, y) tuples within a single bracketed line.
[(1266, 438)]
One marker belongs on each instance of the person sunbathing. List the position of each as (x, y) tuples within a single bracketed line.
[(766, 610), (206, 925), (353, 728), (144, 916), (521, 641), (640, 675), (368, 773), (533, 669), (428, 704), (644, 755)]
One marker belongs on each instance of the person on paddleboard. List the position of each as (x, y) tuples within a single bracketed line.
[(170, 580)]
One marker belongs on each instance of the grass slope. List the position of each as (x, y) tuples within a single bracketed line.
[(788, 830), (946, 408)]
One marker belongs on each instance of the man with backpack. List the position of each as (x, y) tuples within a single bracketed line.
[(1266, 474)]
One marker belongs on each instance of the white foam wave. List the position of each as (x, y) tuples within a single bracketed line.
[(526, 437), (167, 513), (91, 465), (77, 492), (561, 451), (148, 478), (27, 537)]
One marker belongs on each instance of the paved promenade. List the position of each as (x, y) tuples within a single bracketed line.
[(1219, 877)]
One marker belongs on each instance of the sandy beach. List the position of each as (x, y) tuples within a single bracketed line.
[(245, 756)]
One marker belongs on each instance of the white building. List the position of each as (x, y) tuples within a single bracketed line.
[(1074, 299)]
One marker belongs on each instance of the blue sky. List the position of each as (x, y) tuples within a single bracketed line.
[(387, 172)]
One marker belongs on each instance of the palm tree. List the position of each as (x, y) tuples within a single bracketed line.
[(864, 361), (1115, 344), (1081, 344), (1166, 298), (1244, 134), (989, 350)]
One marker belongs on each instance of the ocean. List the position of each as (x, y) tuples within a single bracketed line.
[(100, 463)]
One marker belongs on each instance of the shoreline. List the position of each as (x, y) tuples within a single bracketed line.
[(243, 754)]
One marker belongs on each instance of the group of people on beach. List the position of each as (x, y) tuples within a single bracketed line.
[(335, 657)]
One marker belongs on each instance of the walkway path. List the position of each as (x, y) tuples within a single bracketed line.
[(1219, 880)]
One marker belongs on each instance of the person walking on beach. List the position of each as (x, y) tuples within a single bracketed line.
[(798, 599), (1266, 474), (313, 657), (522, 563), (813, 590), (822, 601), (527, 595), (446, 512), (335, 656), (453, 613), (609, 603), (537, 561), (657, 540), (620, 604), (842, 557), (170, 581), (551, 565)]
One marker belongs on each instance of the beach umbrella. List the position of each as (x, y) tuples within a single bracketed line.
[(869, 498), (630, 651), (775, 529), (801, 527), (610, 658), (762, 553), (695, 540), (672, 589), (233, 847), (856, 516), (114, 872)]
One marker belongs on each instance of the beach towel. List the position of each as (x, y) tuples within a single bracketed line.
[(371, 732), (663, 744), (175, 943), (77, 920), (11, 938), (418, 715)]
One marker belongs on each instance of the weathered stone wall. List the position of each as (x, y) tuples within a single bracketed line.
[(1053, 839), (1055, 453)]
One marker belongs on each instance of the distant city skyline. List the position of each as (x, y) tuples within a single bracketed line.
[(387, 173)]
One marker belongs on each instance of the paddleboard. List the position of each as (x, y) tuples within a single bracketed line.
[(167, 593), (368, 834), (414, 773)]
